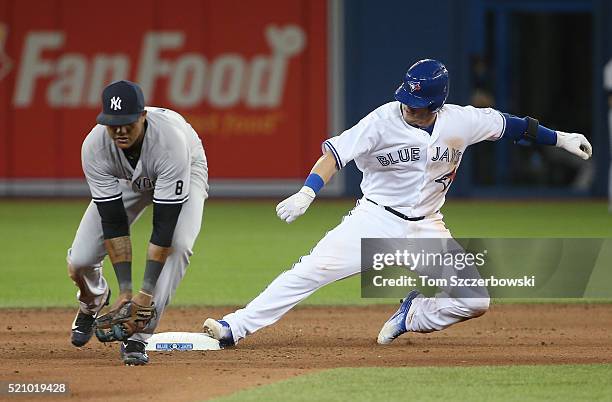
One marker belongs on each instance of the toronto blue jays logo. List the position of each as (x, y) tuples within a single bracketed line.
[(414, 86), (447, 179)]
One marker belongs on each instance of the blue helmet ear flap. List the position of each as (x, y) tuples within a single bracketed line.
[(425, 85)]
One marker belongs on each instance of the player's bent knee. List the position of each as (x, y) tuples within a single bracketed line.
[(77, 261), (78, 267), (478, 306), (77, 264)]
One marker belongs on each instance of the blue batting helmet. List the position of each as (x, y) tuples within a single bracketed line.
[(425, 85)]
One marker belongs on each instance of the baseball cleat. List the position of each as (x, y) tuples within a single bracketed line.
[(133, 353), (219, 330), (396, 325), (82, 326)]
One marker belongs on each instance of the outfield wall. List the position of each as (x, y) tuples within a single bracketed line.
[(252, 79), (265, 82)]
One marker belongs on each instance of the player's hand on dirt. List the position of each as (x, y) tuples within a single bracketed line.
[(575, 143), (293, 207)]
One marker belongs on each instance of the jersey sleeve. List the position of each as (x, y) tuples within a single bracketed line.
[(484, 124), (103, 185), (352, 143), (173, 171)]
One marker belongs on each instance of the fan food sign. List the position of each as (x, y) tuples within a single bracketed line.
[(244, 92), (75, 80)]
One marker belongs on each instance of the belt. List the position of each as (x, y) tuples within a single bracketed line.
[(399, 214)]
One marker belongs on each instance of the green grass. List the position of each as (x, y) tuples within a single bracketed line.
[(496, 383), (243, 245)]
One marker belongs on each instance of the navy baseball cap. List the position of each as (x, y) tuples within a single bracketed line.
[(122, 104)]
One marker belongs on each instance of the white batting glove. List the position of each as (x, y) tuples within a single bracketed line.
[(575, 143), (291, 208)]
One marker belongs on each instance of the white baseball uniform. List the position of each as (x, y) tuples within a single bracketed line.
[(404, 168), (172, 169)]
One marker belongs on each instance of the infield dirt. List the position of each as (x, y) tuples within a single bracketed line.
[(35, 347)]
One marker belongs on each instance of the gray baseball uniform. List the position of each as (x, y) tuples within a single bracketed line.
[(172, 169)]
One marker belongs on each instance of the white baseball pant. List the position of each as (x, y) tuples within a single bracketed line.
[(338, 256)]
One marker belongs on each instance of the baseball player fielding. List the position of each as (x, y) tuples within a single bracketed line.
[(136, 156)]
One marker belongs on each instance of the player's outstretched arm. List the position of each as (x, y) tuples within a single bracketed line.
[(322, 171), (528, 131)]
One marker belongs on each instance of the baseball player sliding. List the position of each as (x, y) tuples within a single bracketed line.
[(409, 151), (135, 156)]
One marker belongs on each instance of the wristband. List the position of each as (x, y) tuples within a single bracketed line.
[(546, 136), (123, 271), (315, 182), (152, 271), (528, 131)]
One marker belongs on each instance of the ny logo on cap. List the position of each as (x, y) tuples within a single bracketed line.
[(115, 103), (414, 86)]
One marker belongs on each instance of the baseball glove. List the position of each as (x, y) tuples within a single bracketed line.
[(120, 324)]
